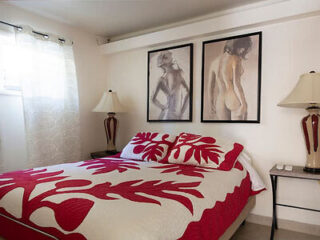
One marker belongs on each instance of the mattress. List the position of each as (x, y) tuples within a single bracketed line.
[(114, 198)]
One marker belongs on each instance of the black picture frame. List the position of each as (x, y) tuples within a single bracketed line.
[(220, 112), (154, 78)]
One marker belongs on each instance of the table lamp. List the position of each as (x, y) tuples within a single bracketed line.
[(109, 103), (306, 94)]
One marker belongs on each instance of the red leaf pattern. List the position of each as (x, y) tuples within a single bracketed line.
[(152, 146), (187, 170), (73, 215), (78, 208), (201, 148), (131, 190), (109, 165), (194, 149), (26, 179)]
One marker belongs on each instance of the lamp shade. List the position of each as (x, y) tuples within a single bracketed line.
[(109, 103), (305, 94)]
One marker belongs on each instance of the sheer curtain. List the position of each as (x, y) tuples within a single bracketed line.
[(47, 75), (6, 42)]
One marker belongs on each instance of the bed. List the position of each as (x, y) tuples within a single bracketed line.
[(116, 198)]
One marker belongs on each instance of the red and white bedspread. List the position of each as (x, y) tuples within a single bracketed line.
[(121, 199)]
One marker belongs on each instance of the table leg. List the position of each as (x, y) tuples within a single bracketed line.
[(275, 200), (274, 182)]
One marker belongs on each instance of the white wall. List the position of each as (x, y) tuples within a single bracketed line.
[(288, 50), (90, 74)]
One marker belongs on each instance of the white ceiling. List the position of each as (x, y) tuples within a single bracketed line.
[(112, 18)]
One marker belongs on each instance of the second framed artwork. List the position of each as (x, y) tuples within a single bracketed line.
[(231, 79), (170, 72)]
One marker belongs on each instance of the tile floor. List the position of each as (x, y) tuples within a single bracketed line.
[(251, 231)]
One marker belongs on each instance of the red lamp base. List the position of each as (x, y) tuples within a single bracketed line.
[(110, 125), (310, 126)]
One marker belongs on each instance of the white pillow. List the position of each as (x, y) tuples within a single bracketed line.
[(197, 150), (148, 146)]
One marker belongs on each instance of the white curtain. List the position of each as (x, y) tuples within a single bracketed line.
[(46, 71)]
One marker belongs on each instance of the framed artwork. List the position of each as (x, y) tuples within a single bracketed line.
[(231, 79), (170, 84)]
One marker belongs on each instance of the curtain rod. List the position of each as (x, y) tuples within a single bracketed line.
[(19, 28)]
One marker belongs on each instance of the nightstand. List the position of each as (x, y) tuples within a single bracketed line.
[(102, 154), (297, 172)]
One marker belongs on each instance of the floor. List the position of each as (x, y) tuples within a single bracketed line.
[(251, 231)]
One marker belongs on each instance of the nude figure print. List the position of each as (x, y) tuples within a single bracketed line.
[(172, 83), (227, 100)]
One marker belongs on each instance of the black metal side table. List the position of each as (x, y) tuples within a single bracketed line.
[(297, 172), (102, 154)]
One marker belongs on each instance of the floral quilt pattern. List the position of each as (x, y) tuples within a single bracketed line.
[(71, 195)]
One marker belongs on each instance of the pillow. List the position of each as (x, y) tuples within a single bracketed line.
[(196, 150), (148, 146)]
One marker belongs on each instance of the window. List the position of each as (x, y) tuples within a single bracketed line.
[(9, 79)]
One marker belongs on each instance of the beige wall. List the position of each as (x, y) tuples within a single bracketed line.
[(288, 50), (90, 74)]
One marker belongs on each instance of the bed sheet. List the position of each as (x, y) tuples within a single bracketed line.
[(119, 199)]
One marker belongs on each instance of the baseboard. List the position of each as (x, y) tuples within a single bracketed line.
[(286, 224)]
